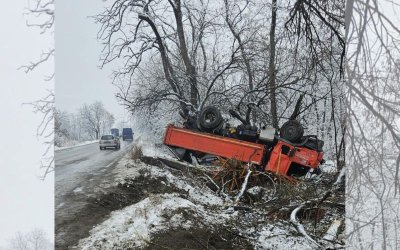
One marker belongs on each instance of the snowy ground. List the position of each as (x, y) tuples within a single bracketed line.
[(168, 208), (74, 144)]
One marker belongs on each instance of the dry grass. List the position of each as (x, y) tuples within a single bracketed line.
[(137, 152), (232, 173)]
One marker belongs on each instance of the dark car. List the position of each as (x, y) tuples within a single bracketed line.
[(115, 131), (127, 134)]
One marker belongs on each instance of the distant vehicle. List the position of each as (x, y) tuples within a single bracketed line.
[(127, 134), (109, 141), (115, 132)]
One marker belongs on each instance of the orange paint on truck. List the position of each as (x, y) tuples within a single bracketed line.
[(284, 159), (214, 144)]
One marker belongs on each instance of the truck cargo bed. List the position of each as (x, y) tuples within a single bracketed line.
[(213, 144)]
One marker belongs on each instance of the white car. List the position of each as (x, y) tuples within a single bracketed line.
[(109, 141)]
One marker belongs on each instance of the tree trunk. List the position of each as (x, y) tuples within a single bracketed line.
[(163, 53), (168, 71), (190, 68), (241, 46), (271, 70)]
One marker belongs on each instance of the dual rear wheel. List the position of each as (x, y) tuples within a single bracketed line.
[(210, 119)]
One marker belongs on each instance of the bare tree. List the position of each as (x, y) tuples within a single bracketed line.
[(42, 12), (34, 240), (271, 64), (229, 45), (19, 242), (61, 122), (96, 119), (107, 123), (155, 35), (310, 19), (373, 141), (71, 128)]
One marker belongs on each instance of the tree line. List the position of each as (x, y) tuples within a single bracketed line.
[(35, 239), (87, 124)]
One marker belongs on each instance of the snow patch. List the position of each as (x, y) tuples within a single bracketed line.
[(277, 236), (127, 168), (150, 148), (60, 205), (328, 167), (78, 190), (333, 230), (256, 190), (133, 226), (73, 144)]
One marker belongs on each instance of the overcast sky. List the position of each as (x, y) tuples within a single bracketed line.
[(25, 201), (78, 78)]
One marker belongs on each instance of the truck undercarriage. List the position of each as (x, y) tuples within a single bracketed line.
[(289, 154)]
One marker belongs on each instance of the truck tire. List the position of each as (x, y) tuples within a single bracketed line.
[(210, 118), (292, 131)]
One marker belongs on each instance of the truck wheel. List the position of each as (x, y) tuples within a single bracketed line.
[(210, 118), (292, 131)]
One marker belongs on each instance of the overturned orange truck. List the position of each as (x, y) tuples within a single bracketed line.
[(289, 154)]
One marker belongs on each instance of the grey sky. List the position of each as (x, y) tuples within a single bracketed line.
[(78, 78), (26, 202)]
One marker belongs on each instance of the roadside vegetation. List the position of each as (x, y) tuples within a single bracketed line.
[(89, 123), (155, 206)]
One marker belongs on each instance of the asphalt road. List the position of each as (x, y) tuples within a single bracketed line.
[(75, 166), (79, 173)]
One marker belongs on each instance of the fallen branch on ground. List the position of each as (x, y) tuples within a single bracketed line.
[(299, 226), (244, 185)]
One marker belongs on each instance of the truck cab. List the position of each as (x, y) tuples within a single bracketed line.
[(115, 132), (127, 134)]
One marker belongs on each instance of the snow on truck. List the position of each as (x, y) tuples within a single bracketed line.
[(289, 154)]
